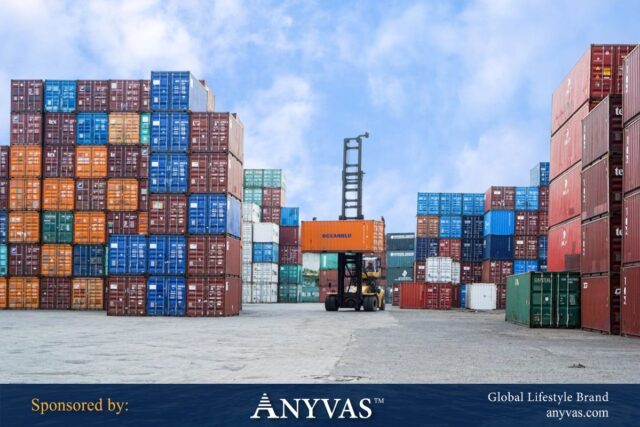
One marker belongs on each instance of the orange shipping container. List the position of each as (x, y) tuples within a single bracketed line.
[(24, 194), (24, 227), (58, 194), (87, 294), (56, 260), (124, 128), (143, 223), (122, 194), (25, 161), (24, 292), (343, 236), (89, 228), (3, 292), (91, 162)]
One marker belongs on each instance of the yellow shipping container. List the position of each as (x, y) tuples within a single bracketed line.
[(124, 128), (343, 236)]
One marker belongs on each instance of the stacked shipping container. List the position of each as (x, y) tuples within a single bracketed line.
[(400, 260)]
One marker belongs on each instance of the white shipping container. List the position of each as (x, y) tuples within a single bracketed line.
[(251, 212), (439, 270), (311, 264), (265, 272), (247, 253), (264, 292), (247, 272), (455, 272), (246, 292), (247, 232), (481, 296), (266, 232)]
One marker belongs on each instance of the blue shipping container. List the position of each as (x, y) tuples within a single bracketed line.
[(472, 226), (463, 296), (92, 129), (169, 132), (472, 249), (166, 296), (542, 247), (127, 254), (426, 247), (89, 260), (542, 265), (265, 252), (498, 247), (60, 96), (450, 203), (214, 214), (450, 227), (4, 258), (168, 173), (540, 174), (499, 223), (4, 224), (428, 203), (533, 199), (472, 204), (167, 254), (524, 266), (290, 217), (526, 198), (177, 91)]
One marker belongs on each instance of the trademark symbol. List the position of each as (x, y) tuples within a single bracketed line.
[(378, 400)]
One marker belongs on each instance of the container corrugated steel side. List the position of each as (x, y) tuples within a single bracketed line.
[(215, 173), (166, 295), (60, 96), (335, 236), (602, 130), (601, 245), (412, 295), (428, 226), (26, 129), (630, 229), (499, 223), (566, 144), (450, 227), (59, 161), (218, 133), (631, 156), (126, 296), (167, 254), (60, 129), (27, 95), (92, 95), (214, 214), (168, 214), (564, 246), (92, 129), (472, 226), (213, 296), (630, 301), (631, 88), (91, 194), (57, 227), (168, 173), (178, 91), (289, 217), (169, 132), (55, 293), (88, 294), (125, 95), (564, 194), (499, 198), (498, 247), (89, 260), (600, 303), (213, 255), (127, 254)]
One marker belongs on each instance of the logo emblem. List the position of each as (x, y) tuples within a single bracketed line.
[(264, 405)]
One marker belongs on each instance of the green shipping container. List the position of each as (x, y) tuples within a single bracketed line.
[(401, 241), (253, 195), (328, 261), (253, 178), (309, 281), (544, 300), (145, 128), (3, 260), (309, 294), (288, 293), (57, 227), (400, 259), (273, 178), (400, 274), (290, 274)]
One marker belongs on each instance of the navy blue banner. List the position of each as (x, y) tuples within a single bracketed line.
[(319, 405)]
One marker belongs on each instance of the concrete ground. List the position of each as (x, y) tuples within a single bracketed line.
[(301, 343)]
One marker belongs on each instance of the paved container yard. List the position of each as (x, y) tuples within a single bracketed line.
[(302, 343)]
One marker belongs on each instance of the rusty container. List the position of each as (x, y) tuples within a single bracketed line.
[(55, 293), (87, 294)]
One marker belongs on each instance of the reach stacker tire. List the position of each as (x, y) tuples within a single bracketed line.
[(370, 303), (331, 303)]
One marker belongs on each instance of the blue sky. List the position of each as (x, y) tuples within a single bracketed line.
[(456, 95)]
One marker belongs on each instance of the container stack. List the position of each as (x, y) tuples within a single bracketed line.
[(290, 284), (630, 292), (526, 230), (400, 260), (328, 274), (250, 216), (540, 178), (597, 74), (601, 216)]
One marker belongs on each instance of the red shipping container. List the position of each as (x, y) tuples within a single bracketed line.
[(564, 194), (500, 198), (630, 301), (168, 214), (60, 129), (420, 271), (326, 291), (470, 272), (328, 279), (213, 296), (273, 197), (26, 128), (217, 133), (494, 271), (602, 187), (27, 96), (214, 256), (543, 198), (290, 254), (597, 74), (126, 295), (55, 293), (526, 223), (446, 296), (601, 245), (271, 215), (543, 223), (91, 194), (566, 144), (525, 247), (123, 223), (125, 95), (631, 157), (600, 303), (145, 85), (412, 295), (450, 248), (143, 188), (430, 296), (125, 161), (564, 246), (289, 235), (501, 296), (24, 260), (602, 130), (92, 95), (631, 229), (4, 161), (216, 173), (428, 226), (4, 194), (59, 161), (631, 88)]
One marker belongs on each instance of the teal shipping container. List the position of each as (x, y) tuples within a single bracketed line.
[(253, 178), (289, 293), (290, 274), (3, 260), (328, 261), (309, 294), (253, 195), (400, 259)]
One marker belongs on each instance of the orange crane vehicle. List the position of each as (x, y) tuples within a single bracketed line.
[(351, 237)]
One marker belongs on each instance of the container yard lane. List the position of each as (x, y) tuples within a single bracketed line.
[(299, 343)]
